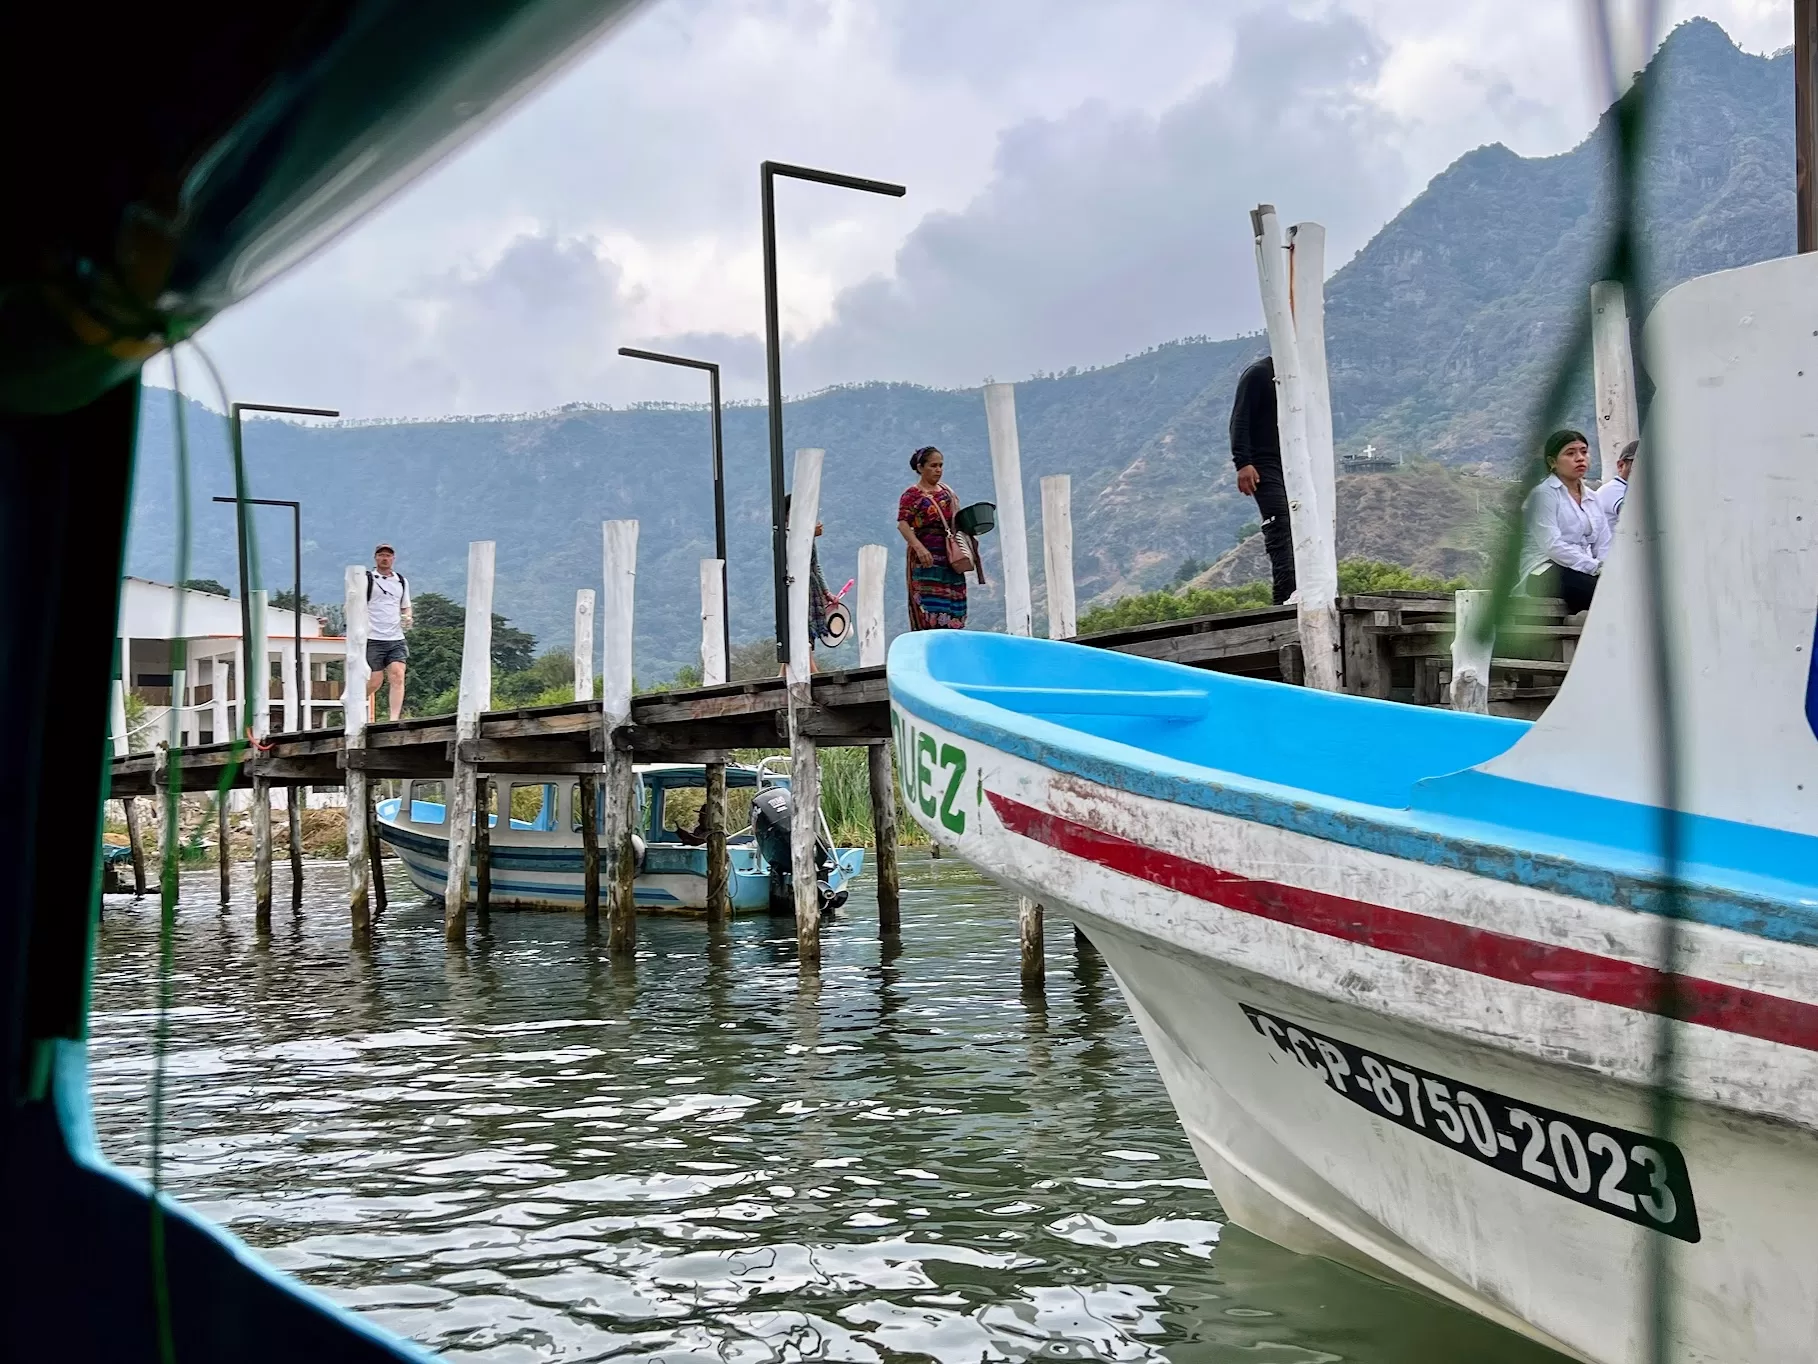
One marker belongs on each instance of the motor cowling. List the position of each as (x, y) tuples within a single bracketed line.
[(772, 819)]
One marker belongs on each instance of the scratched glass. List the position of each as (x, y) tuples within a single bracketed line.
[(525, 1153)]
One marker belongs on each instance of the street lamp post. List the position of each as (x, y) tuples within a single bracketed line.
[(773, 364), (241, 502), (719, 467), (299, 679)]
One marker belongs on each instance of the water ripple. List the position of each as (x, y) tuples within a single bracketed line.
[(525, 1152)]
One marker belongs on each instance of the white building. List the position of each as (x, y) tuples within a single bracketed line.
[(209, 694)]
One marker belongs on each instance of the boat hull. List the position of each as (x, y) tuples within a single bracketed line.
[(550, 876), (1319, 1012)]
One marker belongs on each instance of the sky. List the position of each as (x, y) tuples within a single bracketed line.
[(1079, 177)]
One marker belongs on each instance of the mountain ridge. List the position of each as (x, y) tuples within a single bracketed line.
[(1442, 332)]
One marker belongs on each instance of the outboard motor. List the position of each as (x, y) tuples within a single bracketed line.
[(772, 815)]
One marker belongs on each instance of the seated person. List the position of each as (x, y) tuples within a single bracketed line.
[(1566, 536), (694, 835)]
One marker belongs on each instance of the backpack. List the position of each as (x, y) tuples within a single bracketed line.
[(403, 582)]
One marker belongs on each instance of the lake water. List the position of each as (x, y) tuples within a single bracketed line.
[(527, 1152)]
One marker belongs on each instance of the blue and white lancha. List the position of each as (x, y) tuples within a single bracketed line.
[(1399, 968), (536, 851)]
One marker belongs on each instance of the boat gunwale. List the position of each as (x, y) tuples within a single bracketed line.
[(1723, 896)]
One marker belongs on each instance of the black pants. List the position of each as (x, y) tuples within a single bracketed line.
[(1568, 584), (1278, 533)]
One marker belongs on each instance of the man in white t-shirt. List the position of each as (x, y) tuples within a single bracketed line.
[(387, 618), (1615, 491)]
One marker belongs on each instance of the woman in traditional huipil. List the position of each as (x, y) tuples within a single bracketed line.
[(924, 518)]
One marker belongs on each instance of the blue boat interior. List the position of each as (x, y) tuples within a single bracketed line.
[(1381, 774)]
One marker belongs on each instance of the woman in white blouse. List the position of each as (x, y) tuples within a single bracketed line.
[(1566, 533)]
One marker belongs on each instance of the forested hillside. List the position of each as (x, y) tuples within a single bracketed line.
[(1442, 330)]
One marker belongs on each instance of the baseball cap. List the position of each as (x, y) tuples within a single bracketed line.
[(382, 547)]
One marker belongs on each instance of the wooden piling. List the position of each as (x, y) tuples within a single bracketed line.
[(129, 808), (1057, 555), (1315, 561), (1029, 935), (883, 826), (1613, 367), (719, 858), (261, 822), (482, 844), (1473, 642), (133, 843), (375, 852), (590, 847), (618, 777), (1012, 527), (293, 805), (224, 848), (293, 795), (475, 696), (256, 715), (362, 844), (713, 674), (873, 567), (804, 766)]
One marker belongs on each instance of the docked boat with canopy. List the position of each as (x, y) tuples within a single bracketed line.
[(1401, 969)]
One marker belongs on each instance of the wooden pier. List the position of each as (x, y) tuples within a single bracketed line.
[(1394, 646), (1397, 647)]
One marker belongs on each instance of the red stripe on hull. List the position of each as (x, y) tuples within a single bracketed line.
[(1502, 956)]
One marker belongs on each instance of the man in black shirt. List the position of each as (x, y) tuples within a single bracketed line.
[(1256, 451)]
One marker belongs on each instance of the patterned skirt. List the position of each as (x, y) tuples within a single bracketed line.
[(937, 598)]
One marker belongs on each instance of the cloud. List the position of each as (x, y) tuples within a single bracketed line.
[(1078, 175), (1105, 231), (532, 327)]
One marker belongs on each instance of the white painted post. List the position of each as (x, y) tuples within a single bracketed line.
[(353, 726), (713, 674), (1315, 567), (116, 721), (1012, 526), (618, 782), (713, 622), (1307, 300), (257, 705), (291, 685), (474, 696), (873, 566), (583, 644), (179, 689), (1613, 364), (288, 683), (587, 810), (804, 768), (1019, 612), (1057, 555), (256, 710), (218, 700), (1475, 611)]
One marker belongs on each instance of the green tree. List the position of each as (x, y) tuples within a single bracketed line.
[(434, 674), (208, 585)]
